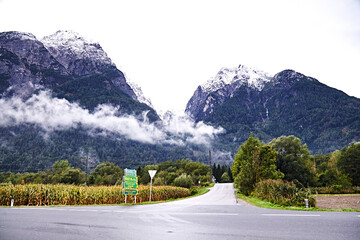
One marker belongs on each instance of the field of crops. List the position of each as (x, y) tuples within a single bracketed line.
[(44, 195)]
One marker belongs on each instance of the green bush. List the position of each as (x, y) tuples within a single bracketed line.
[(282, 193), (184, 181)]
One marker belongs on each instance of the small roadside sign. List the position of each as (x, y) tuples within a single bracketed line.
[(130, 179), (130, 172), (152, 173), (130, 191), (130, 184)]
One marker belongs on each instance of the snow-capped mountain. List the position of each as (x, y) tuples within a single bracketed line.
[(244, 100), (237, 77), (223, 86), (71, 67), (71, 50), (82, 57), (26, 65)]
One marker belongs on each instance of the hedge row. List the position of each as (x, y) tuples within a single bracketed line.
[(43, 195), (282, 193)]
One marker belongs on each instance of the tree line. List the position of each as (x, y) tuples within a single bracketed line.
[(183, 173), (288, 159), (284, 158)]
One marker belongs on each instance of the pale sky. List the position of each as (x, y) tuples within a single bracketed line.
[(170, 47)]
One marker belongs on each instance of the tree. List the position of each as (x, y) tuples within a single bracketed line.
[(349, 162), (225, 178), (106, 174), (61, 166), (328, 172), (293, 159), (184, 181), (254, 162), (63, 172)]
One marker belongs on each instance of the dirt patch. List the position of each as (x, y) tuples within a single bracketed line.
[(338, 202)]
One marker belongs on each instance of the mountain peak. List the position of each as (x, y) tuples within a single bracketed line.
[(289, 76), (67, 34), (68, 46), (223, 86), (11, 35), (237, 76)]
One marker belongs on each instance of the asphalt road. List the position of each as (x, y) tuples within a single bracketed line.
[(215, 215)]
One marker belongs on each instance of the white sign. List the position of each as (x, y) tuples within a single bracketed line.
[(152, 173)]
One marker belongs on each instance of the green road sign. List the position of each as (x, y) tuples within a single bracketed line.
[(130, 179), (130, 185), (130, 191), (130, 172)]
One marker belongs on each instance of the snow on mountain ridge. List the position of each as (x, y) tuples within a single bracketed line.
[(139, 94), (238, 76), (72, 44), (19, 35)]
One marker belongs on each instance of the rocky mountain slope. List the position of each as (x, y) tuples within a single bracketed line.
[(61, 97), (245, 100), (70, 66)]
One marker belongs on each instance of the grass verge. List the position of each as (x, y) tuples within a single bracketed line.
[(260, 203)]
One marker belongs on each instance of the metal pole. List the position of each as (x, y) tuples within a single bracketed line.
[(210, 166), (150, 189), (86, 169)]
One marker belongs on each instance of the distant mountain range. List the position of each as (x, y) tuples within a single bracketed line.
[(244, 100), (61, 97)]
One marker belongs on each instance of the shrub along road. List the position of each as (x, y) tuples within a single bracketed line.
[(215, 215)]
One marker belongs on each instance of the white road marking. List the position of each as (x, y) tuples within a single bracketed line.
[(291, 215), (207, 214), (128, 212)]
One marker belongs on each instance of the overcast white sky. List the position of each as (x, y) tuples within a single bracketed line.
[(170, 47)]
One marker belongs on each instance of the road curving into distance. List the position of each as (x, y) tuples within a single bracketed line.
[(214, 215)]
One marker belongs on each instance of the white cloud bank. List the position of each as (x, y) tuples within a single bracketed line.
[(53, 114)]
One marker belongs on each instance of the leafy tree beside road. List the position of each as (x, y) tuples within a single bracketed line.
[(254, 162), (349, 162), (293, 159)]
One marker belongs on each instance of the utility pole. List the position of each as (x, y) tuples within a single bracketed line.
[(210, 166)]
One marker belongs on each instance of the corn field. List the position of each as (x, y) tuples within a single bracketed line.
[(44, 195)]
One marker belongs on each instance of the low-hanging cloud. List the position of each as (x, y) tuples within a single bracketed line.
[(53, 114)]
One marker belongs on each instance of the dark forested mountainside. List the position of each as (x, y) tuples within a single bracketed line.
[(79, 71), (290, 103)]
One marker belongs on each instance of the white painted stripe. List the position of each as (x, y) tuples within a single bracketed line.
[(206, 214), (291, 215), (217, 214)]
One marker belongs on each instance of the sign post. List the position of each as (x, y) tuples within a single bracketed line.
[(152, 174), (130, 183)]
